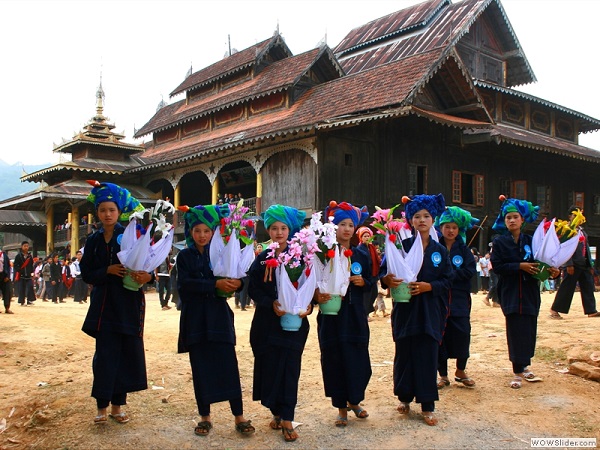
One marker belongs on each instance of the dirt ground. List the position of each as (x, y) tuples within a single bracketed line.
[(45, 383)]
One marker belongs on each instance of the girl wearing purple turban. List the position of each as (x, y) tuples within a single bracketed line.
[(418, 325), (277, 353), (344, 338)]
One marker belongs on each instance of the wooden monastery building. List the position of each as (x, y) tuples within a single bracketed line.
[(420, 101)]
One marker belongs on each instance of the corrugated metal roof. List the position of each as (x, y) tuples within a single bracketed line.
[(421, 28), (29, 218)]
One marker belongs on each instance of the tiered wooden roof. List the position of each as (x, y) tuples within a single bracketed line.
[(407, 62)]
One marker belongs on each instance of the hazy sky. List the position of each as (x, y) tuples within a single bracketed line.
[(54, 51)]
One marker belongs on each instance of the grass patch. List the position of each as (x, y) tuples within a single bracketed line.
[(550, 354)]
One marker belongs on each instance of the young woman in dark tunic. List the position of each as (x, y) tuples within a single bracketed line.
[(277, 353), (344, 338), (116, 315), (453, 224), (418, 325), (206, 327), (518, 290)]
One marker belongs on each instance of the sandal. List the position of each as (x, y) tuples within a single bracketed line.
[(530, 376), (359, 412), (100, 418), (516, 382), (555, 315), (596, 314), (289, 435), (403, 408), (245, 427), (443, 382), (275, 423), (203, 428), (429, 418), (122, 417), (341, 421), (468, 382)]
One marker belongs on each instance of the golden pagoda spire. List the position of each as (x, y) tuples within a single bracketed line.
[(100, 99)]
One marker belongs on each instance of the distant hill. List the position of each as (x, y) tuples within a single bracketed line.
[(10, 179)]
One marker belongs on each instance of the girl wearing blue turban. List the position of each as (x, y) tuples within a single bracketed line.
[(344, 338), (277, 353), (518, 290), (116, 315), (453, 224), (206, 327), (418, 325)]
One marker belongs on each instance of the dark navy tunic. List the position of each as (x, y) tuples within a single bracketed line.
[(418, 326), (277, 353), (115, 319), (344, 342), (519, 296), (206, 330), (457, 335)]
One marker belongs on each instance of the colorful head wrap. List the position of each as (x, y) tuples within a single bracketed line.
[(209, 215), (462, 218), (523, 207), (363, 230), (344, 210), (292, 217), (109, 192), (435, 204)]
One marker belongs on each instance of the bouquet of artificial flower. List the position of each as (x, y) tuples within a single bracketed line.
[(145, 248), (228, 258), (296, 281), (331, 265), (385, 224), (555, 241)]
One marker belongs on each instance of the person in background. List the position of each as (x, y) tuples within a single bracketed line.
[(206, 328), (5, 287), (79, 288), (453, 224), (578, 270), (163, 272), (173, 278), (65, 280), (365, 236), (484, 264), (23, 275), (418, 325), (115, 318), (45, 274), (55, 278), (518, 290)]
